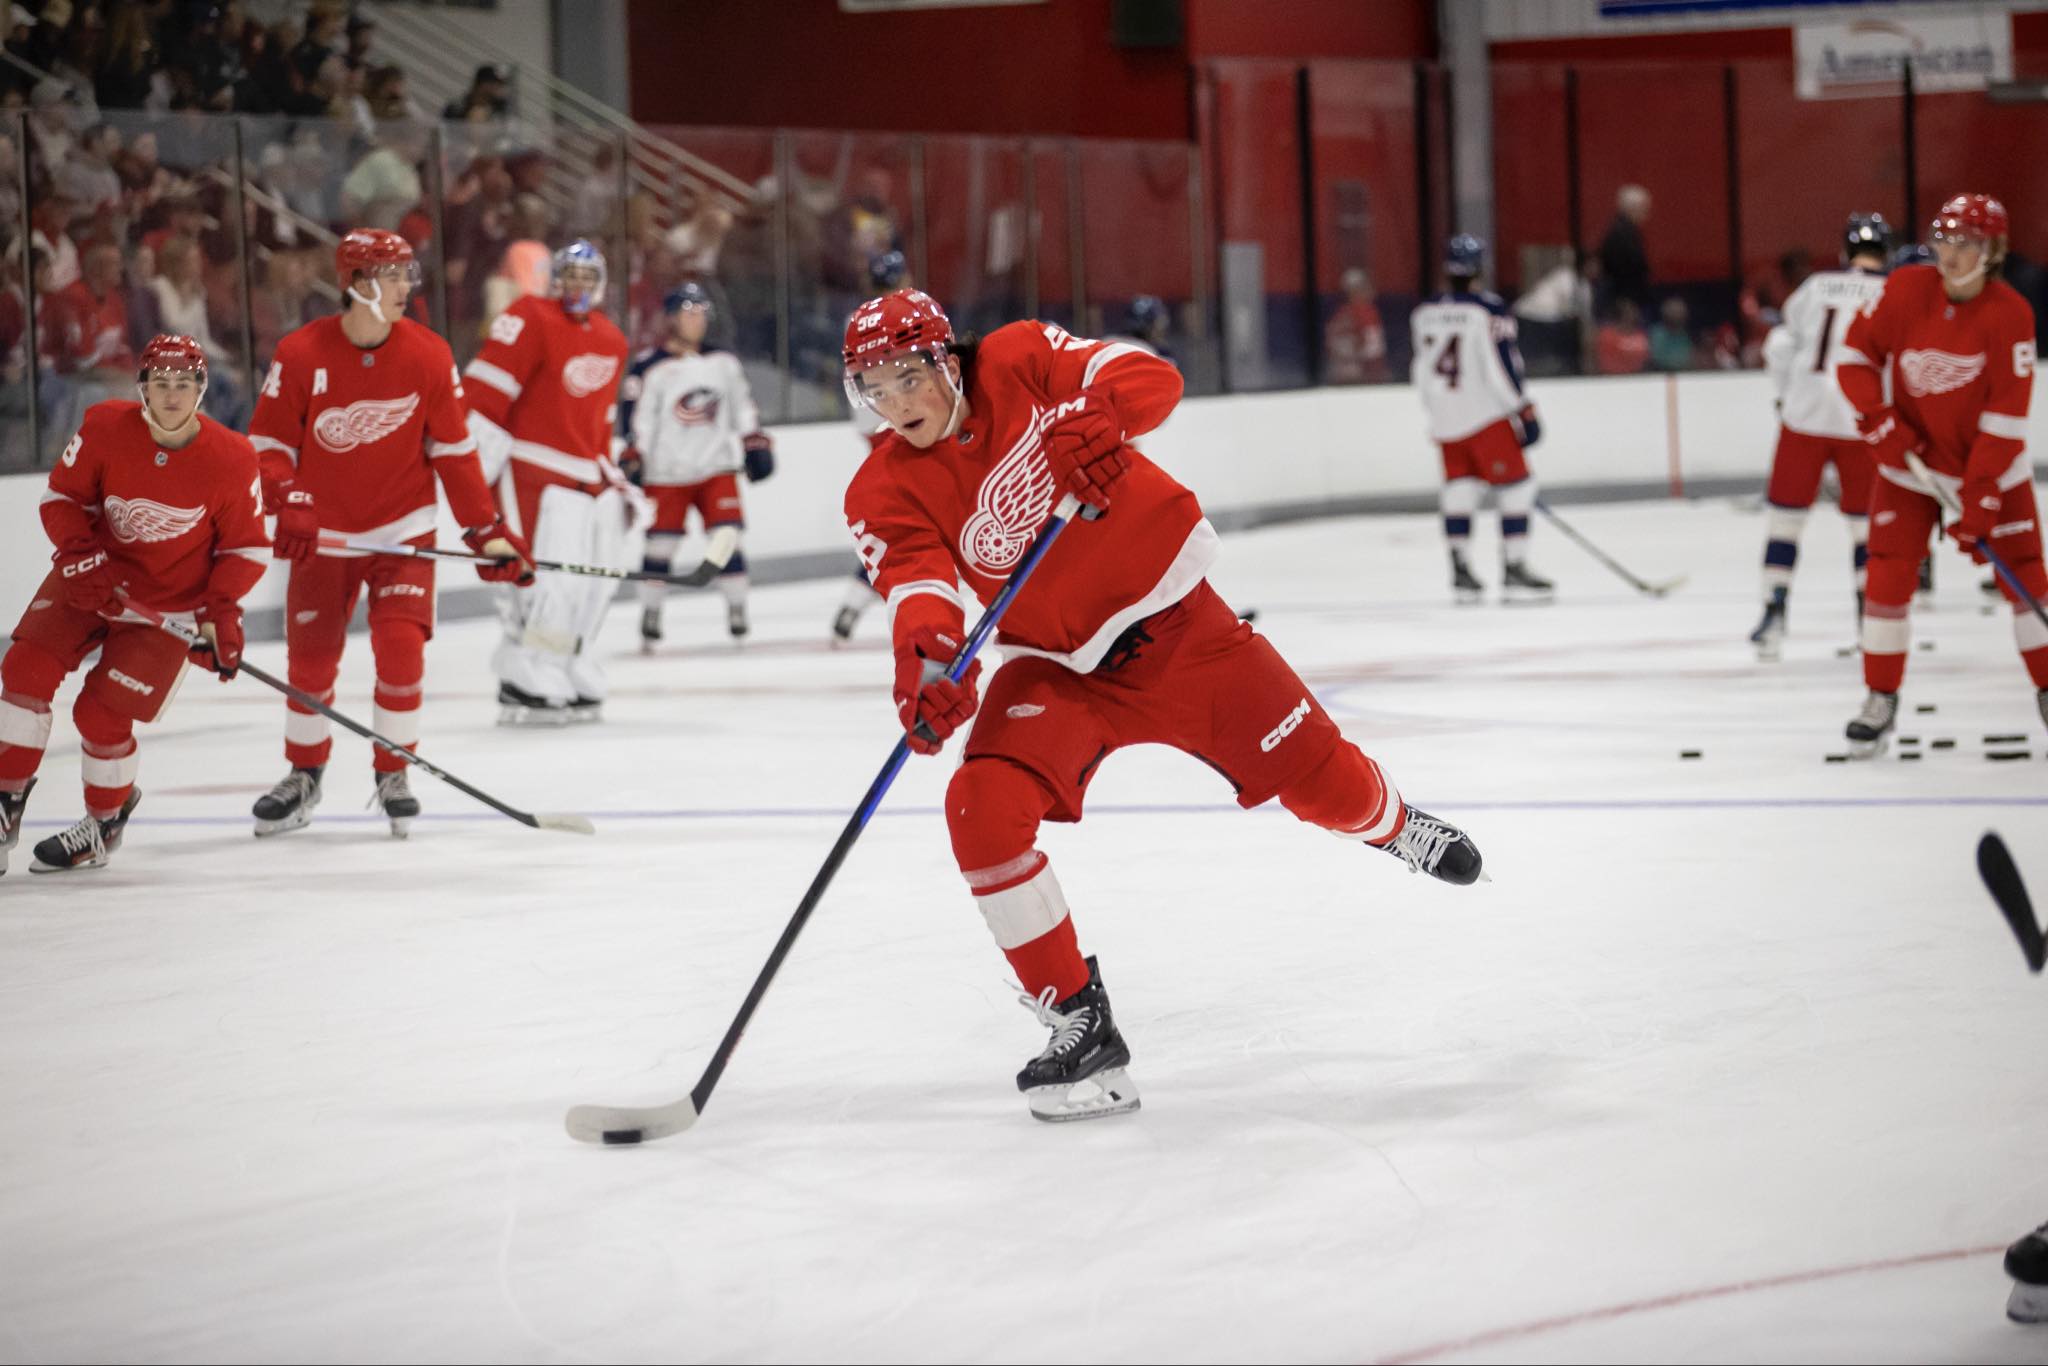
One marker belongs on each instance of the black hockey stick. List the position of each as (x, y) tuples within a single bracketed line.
[(1953, 506), (2002, 880), (539, 820), (1655, 590), (703, 574), (620, 1124)]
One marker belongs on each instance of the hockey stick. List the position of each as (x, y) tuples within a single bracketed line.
[(2002, 880), (1953, 506), (618, 1124), (1655, 590), (703, 574), (539, 820)]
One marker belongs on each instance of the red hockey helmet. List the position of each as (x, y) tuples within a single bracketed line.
[(894, 327), (1967, 216), (168, 351), (367, 251)]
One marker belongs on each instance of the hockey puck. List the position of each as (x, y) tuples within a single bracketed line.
[(1927, 645), (621, 1137), (1908, 755), (1836, 758), (2008, 754), (1945, 743), (1909, 739), (1846, 651), (1925, 708), (2005, 739), (1688, 754)]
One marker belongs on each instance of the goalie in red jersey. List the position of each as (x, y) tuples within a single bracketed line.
[(1117, 639), (1960, 345), (153, 503), (361, 413)]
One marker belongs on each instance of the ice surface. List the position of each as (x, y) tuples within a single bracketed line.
[(1744, 1024)]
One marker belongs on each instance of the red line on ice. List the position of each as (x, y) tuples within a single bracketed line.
[(1617, 1311)]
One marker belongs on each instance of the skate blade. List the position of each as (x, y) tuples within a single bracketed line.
[(284, 825), (533, 717), (1870, 749), (1527, 597), (2028, 1303), (1468, 598), (401, 827), (38, 866), (1108, 1092)]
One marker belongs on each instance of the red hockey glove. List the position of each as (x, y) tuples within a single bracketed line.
[(88, 579), (1888, 436), (220, 622), (760, 457), (1981, 503), (298, 526), (930, 705), (1085, 447), (631, 465), (1528, 430), (508, 547)]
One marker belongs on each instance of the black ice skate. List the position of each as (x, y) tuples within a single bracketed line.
[(290, 804), (1769, 636), (1080, 1075), (1465, 585), (586, 710), (12, 804), (1923, 593), (736, 620), (2026, 1261), (86, 844), (517, 707), (650, 629), (1519, 583), (843, 623), (1871, 731), (394, 795), (1431, 845)]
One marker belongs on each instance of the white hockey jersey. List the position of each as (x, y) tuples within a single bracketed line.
[(690, 417), (1466, 368), (1802, 351)]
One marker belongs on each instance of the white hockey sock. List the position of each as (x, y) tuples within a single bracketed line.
[(1459, 500), (734, 586)]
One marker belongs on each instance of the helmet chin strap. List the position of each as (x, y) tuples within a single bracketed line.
[(161, 433), (373, 299)]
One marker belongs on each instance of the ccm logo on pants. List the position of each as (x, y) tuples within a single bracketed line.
[(1285, 728), (133, 684)]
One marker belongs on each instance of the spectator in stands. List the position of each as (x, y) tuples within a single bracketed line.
[(132, 77), (1555, 313), (1622, 347), (323, 40), (487, 98), (179, 289), (10, 192), (81, 52), (89, 320), (50, 219), (1355, 338), (285, 297), (50, 127), (1671, 337), (206, 69), (385, 184), (362, 32), (87, 175), (858, 231), (1624, 257)]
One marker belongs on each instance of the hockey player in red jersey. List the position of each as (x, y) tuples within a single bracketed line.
[(157, 502), (543, 400), (1117, 639), (360, 414), (1960, 344)]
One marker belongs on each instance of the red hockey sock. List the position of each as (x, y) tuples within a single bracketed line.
[(1886, 634), (29, 678), (1348, 795), (108, 758), (1051, 960)]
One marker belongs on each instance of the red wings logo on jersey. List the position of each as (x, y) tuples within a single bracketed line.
[(364, 423), (1938, 372), (145, 519), (586, 374), (1010, 505)]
